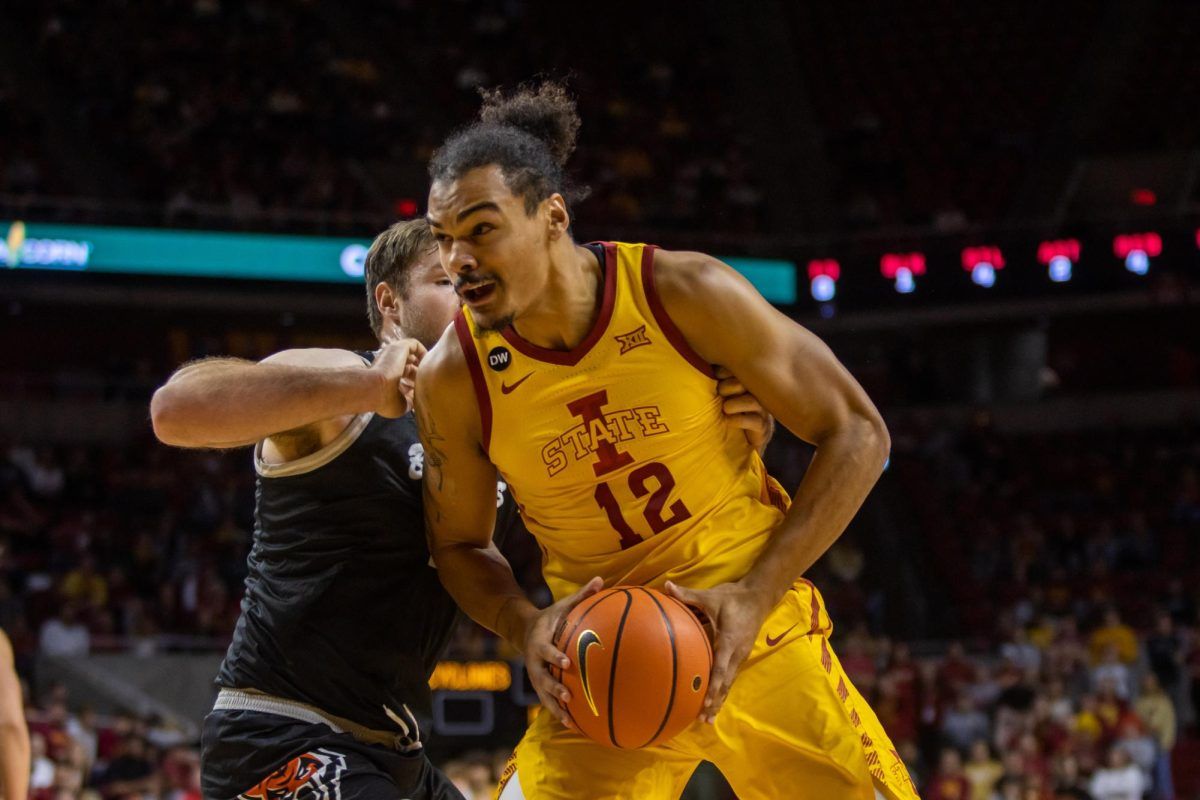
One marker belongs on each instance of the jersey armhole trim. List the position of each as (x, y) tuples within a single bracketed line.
[(467, 342), (665, 323), (312, 461), (320, 458)]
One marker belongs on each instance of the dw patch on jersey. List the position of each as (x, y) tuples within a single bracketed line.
[(315, 775)]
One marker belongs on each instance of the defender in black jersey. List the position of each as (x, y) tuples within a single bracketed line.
[(324, 690)]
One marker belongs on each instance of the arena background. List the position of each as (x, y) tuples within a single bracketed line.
[(990, 211)]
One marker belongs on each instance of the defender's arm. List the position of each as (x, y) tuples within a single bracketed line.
[(231, 402)]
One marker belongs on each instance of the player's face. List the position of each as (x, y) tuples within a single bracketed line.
[(496, 254), (429, 304)]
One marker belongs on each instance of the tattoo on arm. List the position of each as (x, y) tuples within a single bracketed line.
[(435, 456)]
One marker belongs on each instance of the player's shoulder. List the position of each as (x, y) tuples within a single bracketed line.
[(444, 372), (686, 279), (318, 357), (445, 391)]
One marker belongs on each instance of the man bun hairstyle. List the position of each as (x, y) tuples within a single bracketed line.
[(529, 133), (546, 112)]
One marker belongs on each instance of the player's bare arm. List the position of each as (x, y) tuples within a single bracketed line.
[(298, 400), (460, 510), (14, 734), (801, 383)]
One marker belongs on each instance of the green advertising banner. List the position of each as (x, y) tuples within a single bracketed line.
[(213, 254)]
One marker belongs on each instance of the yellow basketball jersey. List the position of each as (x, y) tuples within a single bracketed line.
[(617, 452)]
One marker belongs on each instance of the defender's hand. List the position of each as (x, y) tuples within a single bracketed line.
[(541, 654), (396, 368), (736, 614), (743, 410)]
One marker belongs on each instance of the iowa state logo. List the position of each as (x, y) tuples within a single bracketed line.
[(599, 432), (316, 775)]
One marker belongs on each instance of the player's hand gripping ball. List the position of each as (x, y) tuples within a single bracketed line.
[(640, 663)]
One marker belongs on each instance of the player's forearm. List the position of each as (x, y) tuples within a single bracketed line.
[(847, 464), (482, 583), (14, 759), (231, 402)]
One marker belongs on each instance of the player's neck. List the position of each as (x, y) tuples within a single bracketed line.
[(566, 312)]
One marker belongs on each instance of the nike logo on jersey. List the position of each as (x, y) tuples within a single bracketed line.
[(509, 388), (585, 641), (772, 641)]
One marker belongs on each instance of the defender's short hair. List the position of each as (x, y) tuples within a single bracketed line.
[(390, 261)]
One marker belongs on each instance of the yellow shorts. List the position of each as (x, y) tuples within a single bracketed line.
[(792, 727)]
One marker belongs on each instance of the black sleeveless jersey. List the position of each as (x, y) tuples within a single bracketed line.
[(343, 609)]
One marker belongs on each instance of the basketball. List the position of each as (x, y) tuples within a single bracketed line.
[(640, 663)]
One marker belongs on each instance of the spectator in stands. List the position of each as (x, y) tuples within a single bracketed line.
[(955, 672), (1113, 633), (64, 634), (949, 782), (131, 772), (41, 777), (1157, 713), (898, 688), (84, 587), (1014, 771), (1021, 652), (1177, 600), (964, 724), (1164, 653), (1140, 746), (982, 770), (1059, 704), (68, 780), (82, 728), (1114, 672), (1120, 779), (1069, 782), (858, 662), (1193, 671)]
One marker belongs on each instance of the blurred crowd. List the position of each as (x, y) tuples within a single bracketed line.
[(267, 109), (1049, 714), (82, 755), (1071, 561), (137, 548), (935, 114), (1060, 657)]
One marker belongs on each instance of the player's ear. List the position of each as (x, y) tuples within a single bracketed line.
[(387, 300), (557, 217)]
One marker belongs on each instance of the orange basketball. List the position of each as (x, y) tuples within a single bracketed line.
[(640, 662)]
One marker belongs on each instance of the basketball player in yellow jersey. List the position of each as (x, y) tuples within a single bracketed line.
[(583, 374)]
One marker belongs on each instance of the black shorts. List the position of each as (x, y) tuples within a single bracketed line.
[(249, 755)]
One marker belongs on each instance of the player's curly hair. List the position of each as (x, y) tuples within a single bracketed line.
[(530, 134)]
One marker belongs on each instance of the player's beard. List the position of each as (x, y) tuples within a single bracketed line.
[(497, 325), (418, 325)]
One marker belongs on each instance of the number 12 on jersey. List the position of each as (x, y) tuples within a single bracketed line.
[(655, 480)]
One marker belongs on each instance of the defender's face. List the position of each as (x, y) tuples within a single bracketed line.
[(496, 254), (430, 303)]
